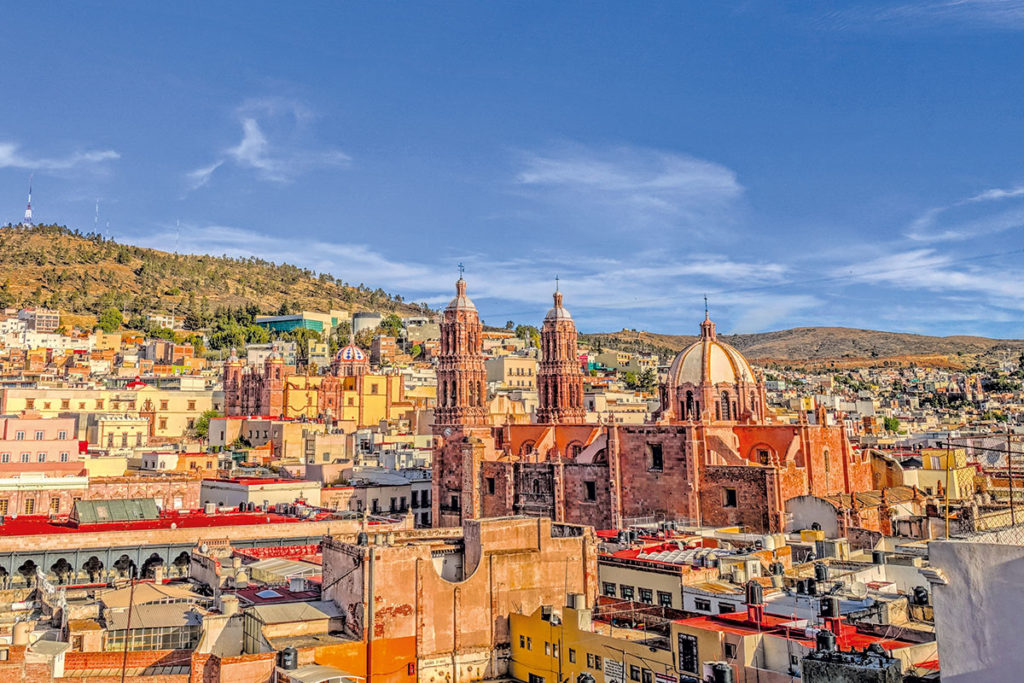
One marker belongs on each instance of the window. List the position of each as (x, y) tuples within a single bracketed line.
[(61, 436), (30, 403), (191, 405), (593, 662), (609, 589), (589, 490), (3, 506), (572, 656), (163, 405), (163, 423), (373, 390), (730, 651), (30, 506), (634, 672), (455, 502), (490, 485), (534, 678), (656, 459), (664, 598), (41, 457), (726, 608), (626, 592), (415, 499), (529, 643), (25, 457), (19, 436), (729, 498), (702, 605), (763, 456), (688, 653), (65, 404), (5, 457), (54, 505), (647, 596), (99, 404), (547, 648), (794, 661), (648, 677), (522, 642)]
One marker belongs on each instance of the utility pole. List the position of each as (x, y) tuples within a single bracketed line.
[(948, 452), (1009, 473)]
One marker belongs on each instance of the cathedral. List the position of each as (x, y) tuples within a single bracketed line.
[(711, 455), (350, 392)]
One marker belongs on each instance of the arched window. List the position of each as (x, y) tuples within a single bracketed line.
[(753, 403), (725, 406), (536, 485), (688, 415)]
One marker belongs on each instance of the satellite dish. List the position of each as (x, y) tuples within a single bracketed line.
[(859, 589)]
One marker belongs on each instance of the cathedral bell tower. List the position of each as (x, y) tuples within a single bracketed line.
[(461, 408), (559, 378)]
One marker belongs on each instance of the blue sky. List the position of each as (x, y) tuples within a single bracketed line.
[(802, 163)]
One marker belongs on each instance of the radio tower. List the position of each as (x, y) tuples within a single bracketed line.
[(27, 222)]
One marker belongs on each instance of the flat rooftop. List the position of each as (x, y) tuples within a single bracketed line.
[(35, 525)]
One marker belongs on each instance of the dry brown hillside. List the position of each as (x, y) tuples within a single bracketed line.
[(84, 275)]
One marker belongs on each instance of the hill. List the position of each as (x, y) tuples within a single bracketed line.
[(839, 346), (83, 275)]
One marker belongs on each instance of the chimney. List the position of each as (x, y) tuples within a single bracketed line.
[(755, 602)]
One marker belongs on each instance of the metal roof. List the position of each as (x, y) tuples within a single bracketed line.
[(297, 611), (101, 511)]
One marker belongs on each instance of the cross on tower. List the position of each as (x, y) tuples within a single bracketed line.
[(462, 270), (556, 283)]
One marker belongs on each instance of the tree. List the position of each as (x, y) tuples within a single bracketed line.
[(891, 424), (391, 325), (364, 338), (417, 351), (254, 334), (110, 320), (510, 325), (202, 424)]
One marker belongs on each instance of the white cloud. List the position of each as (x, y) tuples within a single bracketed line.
[(637, 185), (620, 289), (10, 157), (970, 217), (992, 14), (279, 162)]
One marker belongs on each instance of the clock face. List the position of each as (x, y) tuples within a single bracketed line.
[(447, 431)]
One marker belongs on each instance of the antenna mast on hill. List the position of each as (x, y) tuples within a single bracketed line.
[(27, 222)]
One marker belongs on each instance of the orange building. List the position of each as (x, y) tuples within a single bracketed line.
[(435, 605)]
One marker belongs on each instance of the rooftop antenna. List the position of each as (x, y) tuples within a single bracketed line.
[(27, 222)]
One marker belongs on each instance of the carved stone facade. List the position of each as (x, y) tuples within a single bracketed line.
[(712, 455)]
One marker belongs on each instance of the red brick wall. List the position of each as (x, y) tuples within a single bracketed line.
[(647, 492), (752, 486)]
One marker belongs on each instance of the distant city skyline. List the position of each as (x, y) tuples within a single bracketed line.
[(802, 166)]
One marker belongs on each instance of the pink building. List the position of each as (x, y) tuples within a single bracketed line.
[(39, 445)]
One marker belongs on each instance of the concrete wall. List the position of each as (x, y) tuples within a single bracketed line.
[(978, 612)]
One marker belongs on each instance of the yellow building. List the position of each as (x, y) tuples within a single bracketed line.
[(931, 477), (548, 647), (171, 412), (512, 372), (363, 400)]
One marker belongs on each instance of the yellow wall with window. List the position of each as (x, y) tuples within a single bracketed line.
[(543, 649)]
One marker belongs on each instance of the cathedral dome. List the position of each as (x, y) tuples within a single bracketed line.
[(350, 354), (710, 361), (461, 302), (559, 312)]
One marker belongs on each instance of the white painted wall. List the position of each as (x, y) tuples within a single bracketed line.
[(978, 613)]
